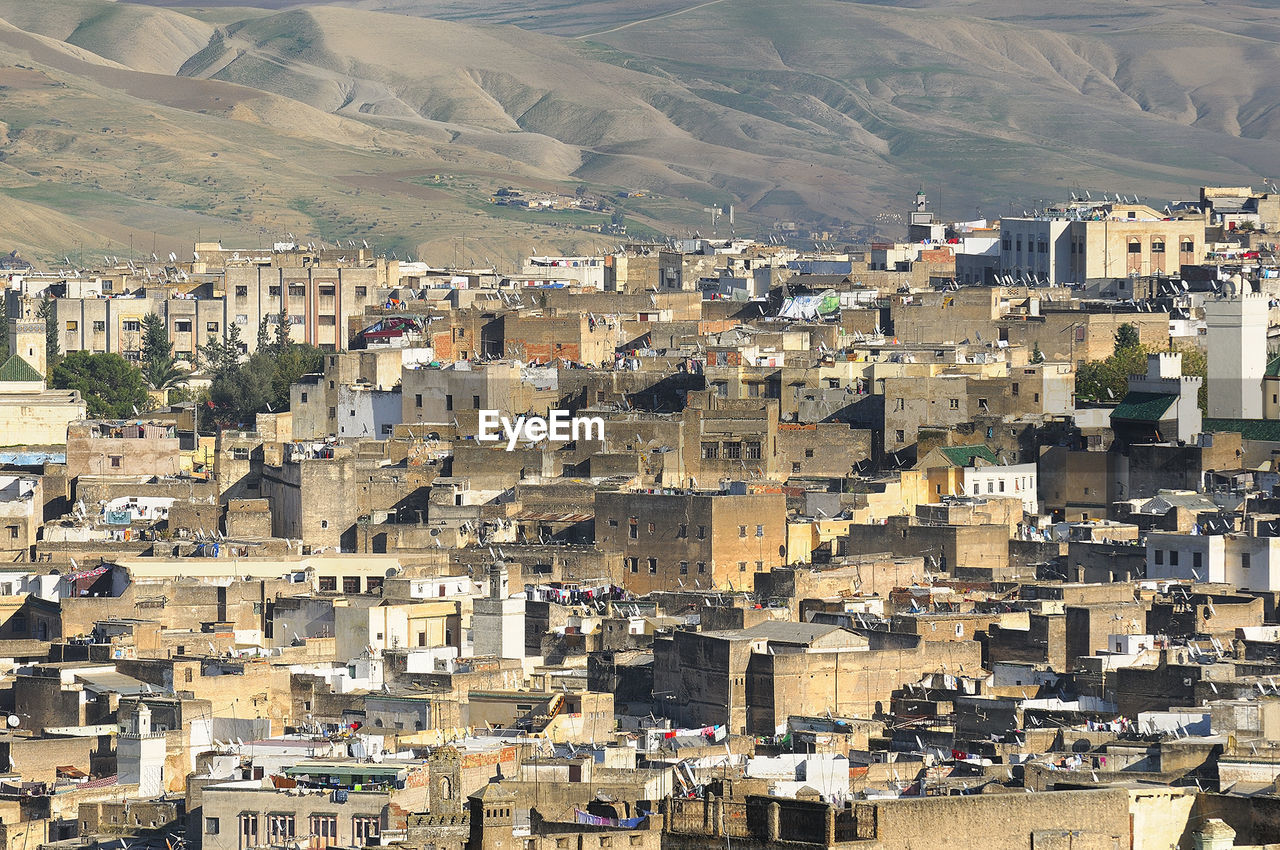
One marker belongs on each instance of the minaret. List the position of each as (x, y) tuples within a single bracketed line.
[(491, 818), (497, 622), (27, 340), (140, 756), (1236, 341)]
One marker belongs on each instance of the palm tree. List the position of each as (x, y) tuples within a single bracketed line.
[(162, 373)]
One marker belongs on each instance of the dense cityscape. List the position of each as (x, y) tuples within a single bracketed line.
[(967, 539)]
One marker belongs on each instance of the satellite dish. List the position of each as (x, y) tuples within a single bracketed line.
[(13, 720)]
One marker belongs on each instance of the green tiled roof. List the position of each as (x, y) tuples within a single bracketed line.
[(1250, 429), (1273, 367), (965, 455), (1144, 407), (17, 369)]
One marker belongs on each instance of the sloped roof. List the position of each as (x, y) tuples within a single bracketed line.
[(965, 455), (1251, 429), (17, 369), (1144, 407), (1273, 367)]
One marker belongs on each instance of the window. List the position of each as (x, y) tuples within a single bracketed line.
[(742, 531), (653, 566), (333, 412), (73, 325), (702, 568), (682, 530), (131, 325), (273, 291), (633, 528), (448, 402), (326, 291), (248, 830), (710, 451), (1244, 560), (18, 624), (211, 327), (475, 402), (417, 400), (280, 827), (1160, 557), (210, 826), (759, 531), (808, 452), (363, 828), (1014, 388), (1187, 246), (899, 404), (1196, 559), (328, 584), (362, 291), (955, 404), (386, 429), (297, 291), (304, 398), (1173, 557), (751, 451), (1006, 244), (795, 466), (899, 434), (651, 527), (742, 566), (13, 534), (733, 451), (115, 461), (1157, 246), (324, 830), (328, 320), (324, 523), (702, 532), (242, 318), (183, 326), (351, 584), (684, 568), (633, 564), (99, 326), (1135, 247)]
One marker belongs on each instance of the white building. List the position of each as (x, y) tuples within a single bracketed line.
[(1249, 563), (140, 756), (1237, 346), (1036, 246), (497, 621), (1019, 479)]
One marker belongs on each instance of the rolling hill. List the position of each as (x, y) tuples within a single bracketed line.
[(396, 120)]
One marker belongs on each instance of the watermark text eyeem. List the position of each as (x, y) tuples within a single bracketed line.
[(559, 426)]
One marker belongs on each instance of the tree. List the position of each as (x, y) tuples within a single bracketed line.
[(283, 325), (237, 395), (296, 360), (1108, 380), (112, 387), (159, 367), (223, 355), (264, 339), (1127, 337), (48, 312), (155, 339), (1037, 356)]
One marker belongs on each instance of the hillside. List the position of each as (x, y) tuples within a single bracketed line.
[(396, 119)]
